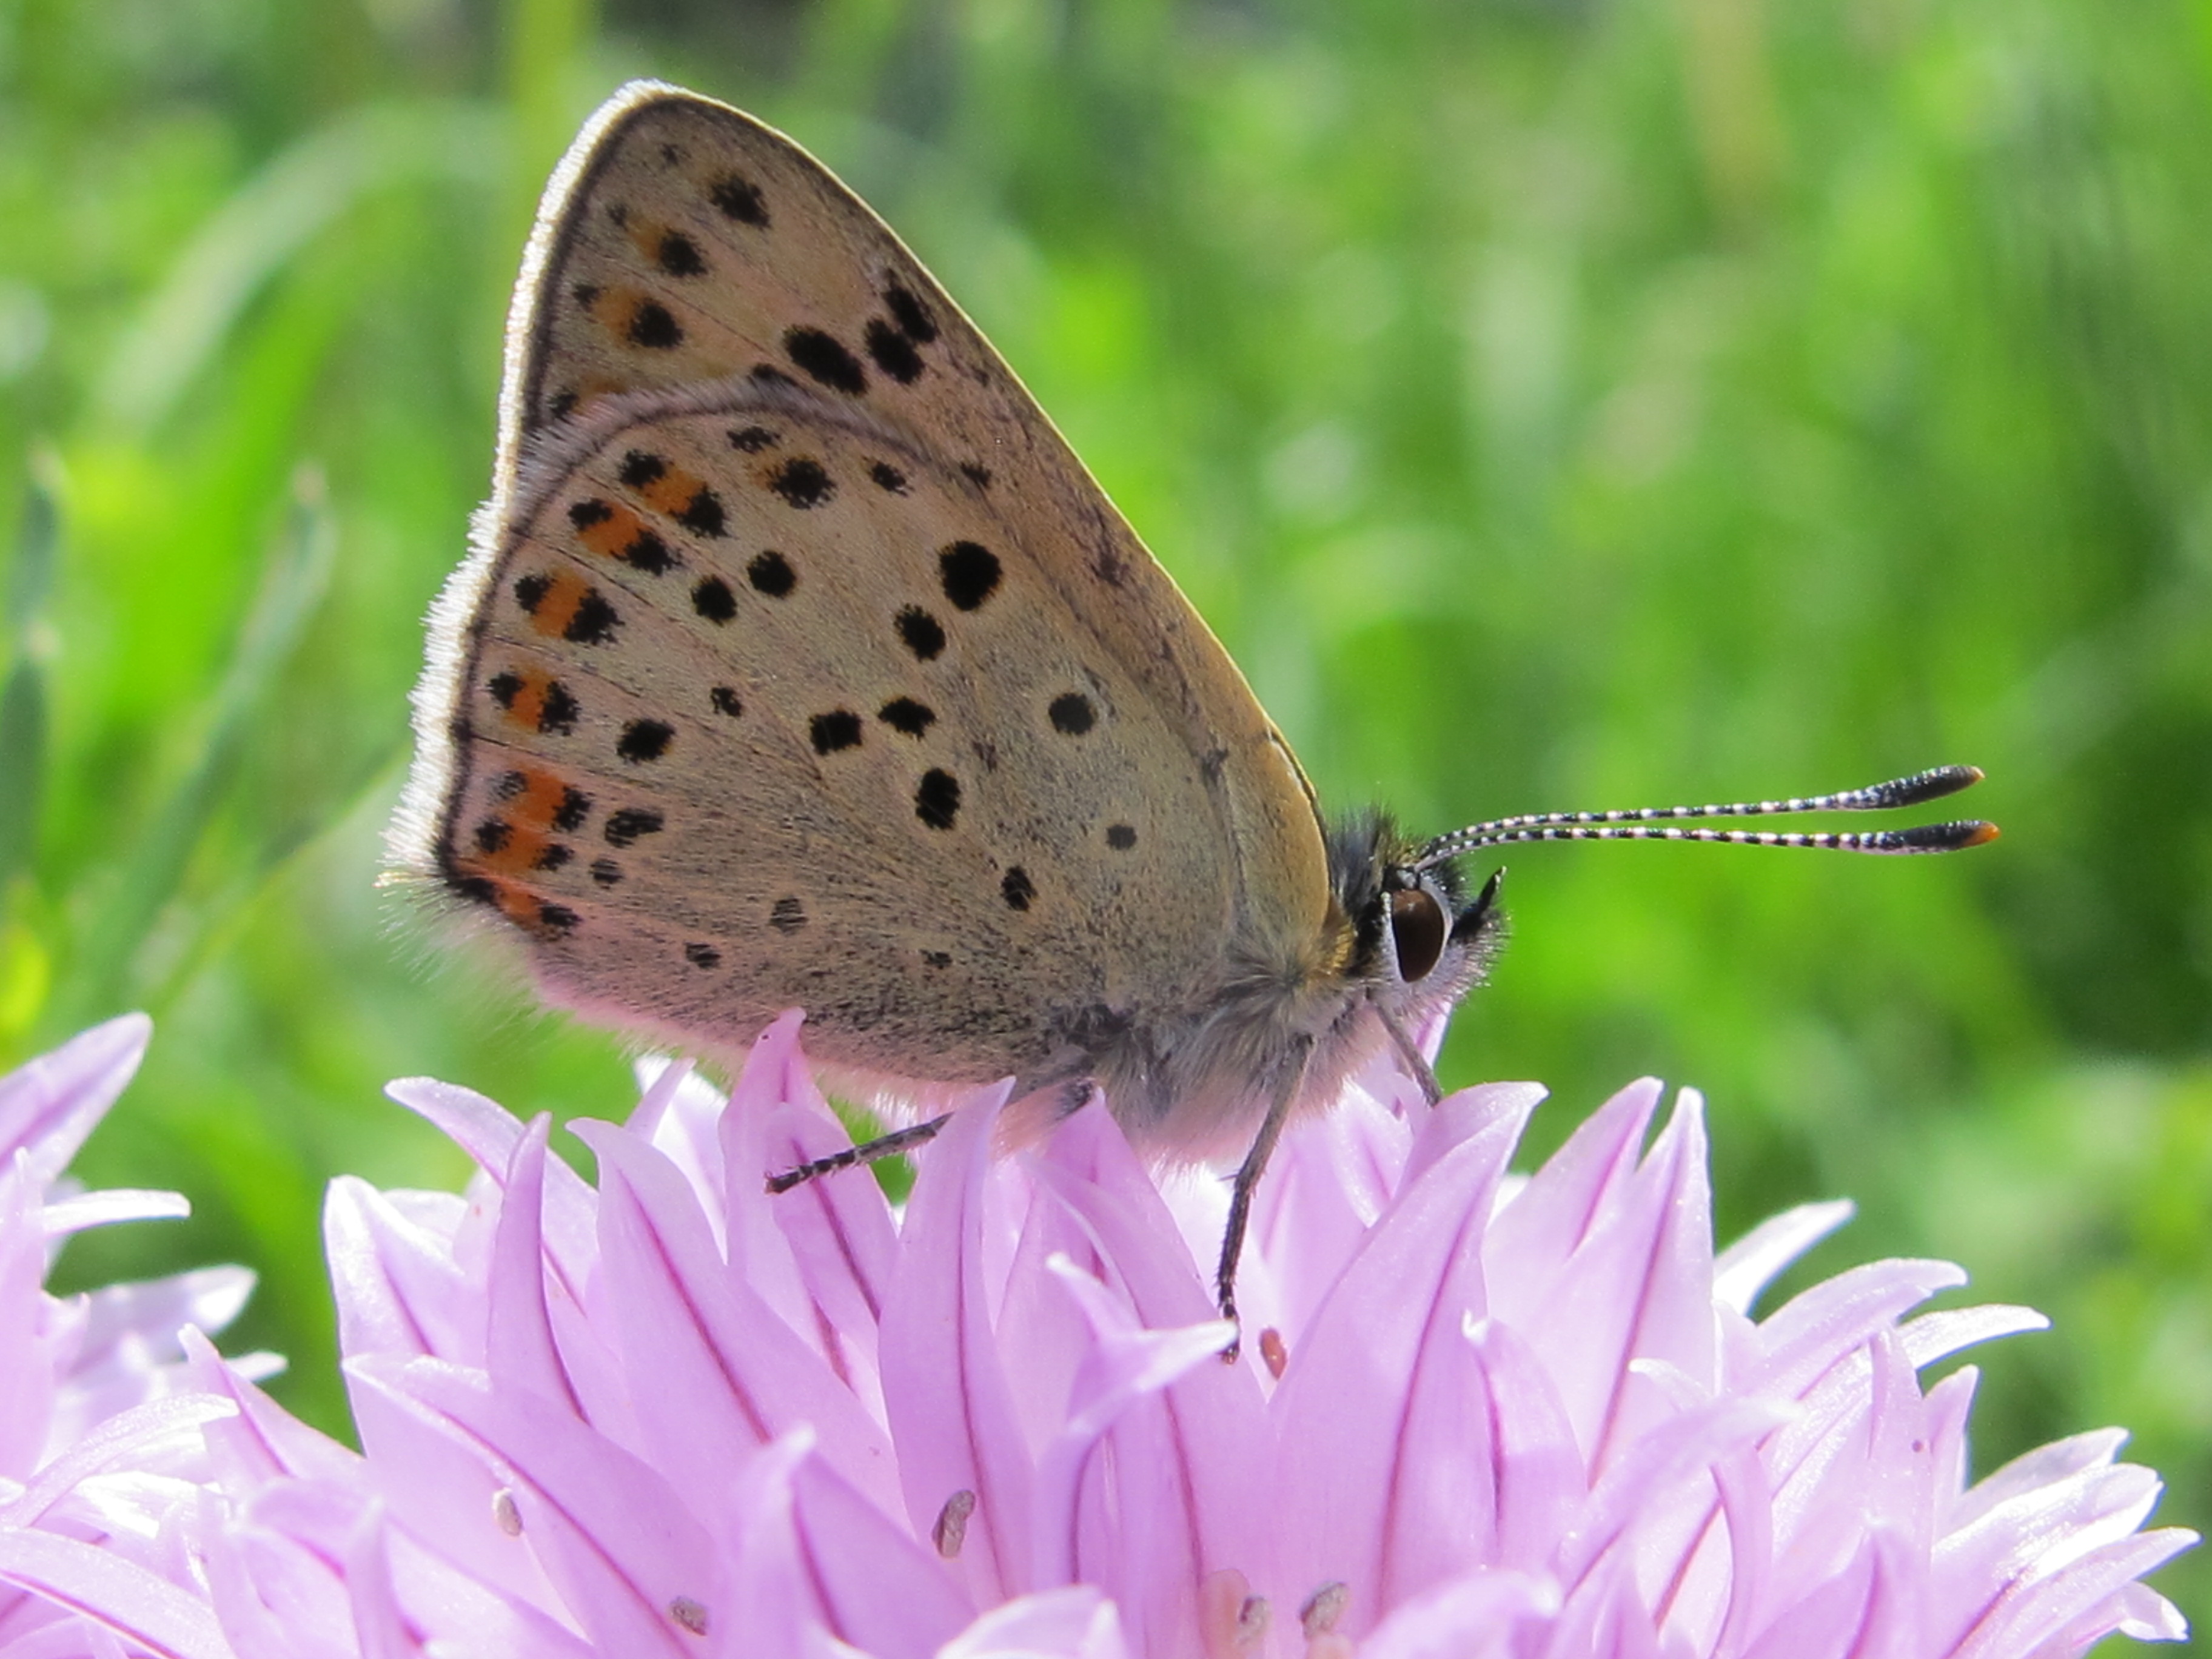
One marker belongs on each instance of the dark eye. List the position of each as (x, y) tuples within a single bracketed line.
[(1418, 928)]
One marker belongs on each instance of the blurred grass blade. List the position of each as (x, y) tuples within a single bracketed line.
[(23, 699), (265, 222), (38, 549), (294, 579)]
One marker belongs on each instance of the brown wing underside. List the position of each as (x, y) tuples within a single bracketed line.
[(684, 241), (765, 707)]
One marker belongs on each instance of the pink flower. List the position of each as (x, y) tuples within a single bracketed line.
[(669, 1414), (95, 1435)]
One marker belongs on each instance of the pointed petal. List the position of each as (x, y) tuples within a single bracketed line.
[(724, 1372), (953, 1415), (1213, 1430), (50, 1104), (520, 1348), (619, 1542), (489, 1133), (1548, 1220), (101, 1586), (881, 1590), (1747, 1267), (1382, 1493)]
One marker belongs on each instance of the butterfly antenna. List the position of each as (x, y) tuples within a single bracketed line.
[(1656, 823)]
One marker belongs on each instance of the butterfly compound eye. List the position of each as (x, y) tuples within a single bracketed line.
[(1418, 930)]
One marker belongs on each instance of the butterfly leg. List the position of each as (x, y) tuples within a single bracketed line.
[(1417, 1063), (1240, 1197), (890, 1146)]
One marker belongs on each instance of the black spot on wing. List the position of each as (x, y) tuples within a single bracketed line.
[(648, 553), (937, 799), (678, 255), (912, 316), (558, 714), (802, 482), (739, 199), (893, 352), (752, 439), (575, 807), (638, 468), (978, 474), (1073, 713), (593, 624), (888, 477), (923, 634), (702, 514), (786, 917), (725, 699), (1016, 889), (605, 872), (629, 823), (906, 715), (703, 956), (1121, 836), (655, 327), (823, 357), (838, 729), (970, 573), (644, 740), (771, 574), (713, 600)]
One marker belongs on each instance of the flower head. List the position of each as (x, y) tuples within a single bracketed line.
[(667, 1413)]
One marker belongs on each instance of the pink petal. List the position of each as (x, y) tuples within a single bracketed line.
[(1074, 1623), (518, 1345), (398, 1288), (101, 1586), (121, 1442), (1547, 1221), (260, 1440), (723, 1373), (50, 1104), (1382, 1489), (437, 1480), (953, 1415), (1749, 1265), (1640, 1278), (2081, 1598), (881, 1590), (1537, 1466), (843, 1242), (617, 1540), (1472, 1617), (1210, 1433), (489, 1133)]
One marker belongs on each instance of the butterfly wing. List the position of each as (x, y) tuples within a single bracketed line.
[(719, 353)]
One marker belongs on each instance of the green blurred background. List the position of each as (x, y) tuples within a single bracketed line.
[(1553, 403)]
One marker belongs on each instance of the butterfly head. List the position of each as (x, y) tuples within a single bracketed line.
[(1419, 938)]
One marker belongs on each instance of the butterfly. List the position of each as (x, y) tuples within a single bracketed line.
[(798, 661)]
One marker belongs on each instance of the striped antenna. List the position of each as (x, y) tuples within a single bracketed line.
[(1652, 823)]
